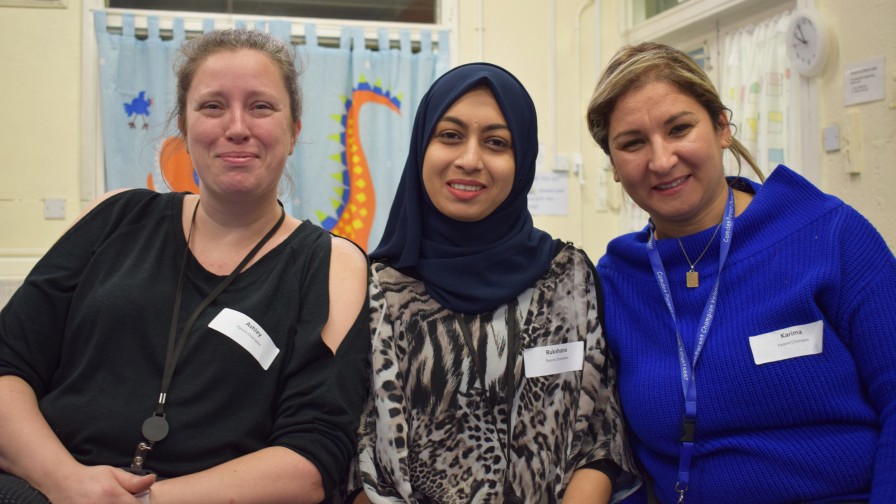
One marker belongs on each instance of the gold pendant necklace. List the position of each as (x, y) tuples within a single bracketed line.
[(692, 278)]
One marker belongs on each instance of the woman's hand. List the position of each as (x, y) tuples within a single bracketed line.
[(96, 484), (30, 450), (272, 475)]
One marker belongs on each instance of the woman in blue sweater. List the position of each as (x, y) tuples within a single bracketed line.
[(751, 323)]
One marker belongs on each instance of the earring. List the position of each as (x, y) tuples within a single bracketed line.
[(616, 176)]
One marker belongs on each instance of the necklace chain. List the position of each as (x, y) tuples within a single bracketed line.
[(688, 259)]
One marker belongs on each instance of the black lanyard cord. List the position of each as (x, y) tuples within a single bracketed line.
[(172, 355), (155, 428)]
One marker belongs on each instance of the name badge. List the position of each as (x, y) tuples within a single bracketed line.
[(248, 334), (553, 359), (788, 343)]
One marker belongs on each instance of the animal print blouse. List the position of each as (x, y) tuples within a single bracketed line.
[(430, 433)]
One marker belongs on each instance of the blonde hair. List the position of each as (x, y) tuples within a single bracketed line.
[(636, 65)]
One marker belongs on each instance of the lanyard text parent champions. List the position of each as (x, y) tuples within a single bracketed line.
[(688, 382)]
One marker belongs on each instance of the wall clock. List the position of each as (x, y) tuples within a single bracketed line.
[(808, 42)]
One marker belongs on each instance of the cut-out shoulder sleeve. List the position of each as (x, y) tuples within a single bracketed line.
[(348, 290)]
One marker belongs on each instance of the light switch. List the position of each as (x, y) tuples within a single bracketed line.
[(561, 163), (831, 138)]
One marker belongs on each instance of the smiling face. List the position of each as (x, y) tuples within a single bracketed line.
[(238, 125), (468, 167), (667, 153)]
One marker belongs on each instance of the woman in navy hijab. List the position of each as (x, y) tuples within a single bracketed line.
[(491, 379)]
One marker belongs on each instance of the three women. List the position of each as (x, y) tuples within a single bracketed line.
[(749, 322)]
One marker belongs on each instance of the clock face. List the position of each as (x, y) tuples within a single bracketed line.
[(805, 41), (807, 46)]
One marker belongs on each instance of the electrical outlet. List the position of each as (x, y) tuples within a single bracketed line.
[(54, 208)]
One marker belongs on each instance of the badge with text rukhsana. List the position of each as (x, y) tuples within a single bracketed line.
[(788, 343), (248, 334), (553, 359)]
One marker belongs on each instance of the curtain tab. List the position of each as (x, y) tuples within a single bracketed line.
[(425, 41), (282, 29), (443, 56), (383, 39), (358, 42), (345, 38), (152, 28), (311, 35), (99, 22), (404, 42), (127, 25), (177, 29)]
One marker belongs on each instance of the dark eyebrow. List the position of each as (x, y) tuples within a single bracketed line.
[(462, 124), (677, 116), (671, 120)]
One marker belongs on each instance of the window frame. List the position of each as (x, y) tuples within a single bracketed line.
[(39, 4), (347, 8)]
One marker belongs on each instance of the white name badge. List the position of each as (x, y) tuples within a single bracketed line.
[(553, 359), (788, 343), (246, 333)]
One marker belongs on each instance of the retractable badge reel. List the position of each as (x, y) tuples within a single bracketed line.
[(154, 429)]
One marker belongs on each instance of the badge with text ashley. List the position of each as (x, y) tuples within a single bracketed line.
[(248, 334), (553, 359), (796, 341)]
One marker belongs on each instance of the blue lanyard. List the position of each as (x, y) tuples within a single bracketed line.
[(688, 382)]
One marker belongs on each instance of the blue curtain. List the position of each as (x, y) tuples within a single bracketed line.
[(359, 105)]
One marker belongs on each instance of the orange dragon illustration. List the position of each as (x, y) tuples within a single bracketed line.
[(355, 204)]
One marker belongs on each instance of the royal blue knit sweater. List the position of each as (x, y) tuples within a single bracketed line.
[(812, 428)]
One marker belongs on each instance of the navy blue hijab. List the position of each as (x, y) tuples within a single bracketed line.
[(469, 267)]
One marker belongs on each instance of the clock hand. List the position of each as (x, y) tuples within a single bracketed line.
[(801, 37)]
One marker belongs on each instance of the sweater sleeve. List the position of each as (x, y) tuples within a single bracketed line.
[(33, 322), (323, 392), (867, 295), (384, 431)]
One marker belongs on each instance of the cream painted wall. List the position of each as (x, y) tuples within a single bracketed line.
[(863, 30), (40, 135)]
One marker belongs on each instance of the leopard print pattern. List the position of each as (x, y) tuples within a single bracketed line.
[(432, 433)]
